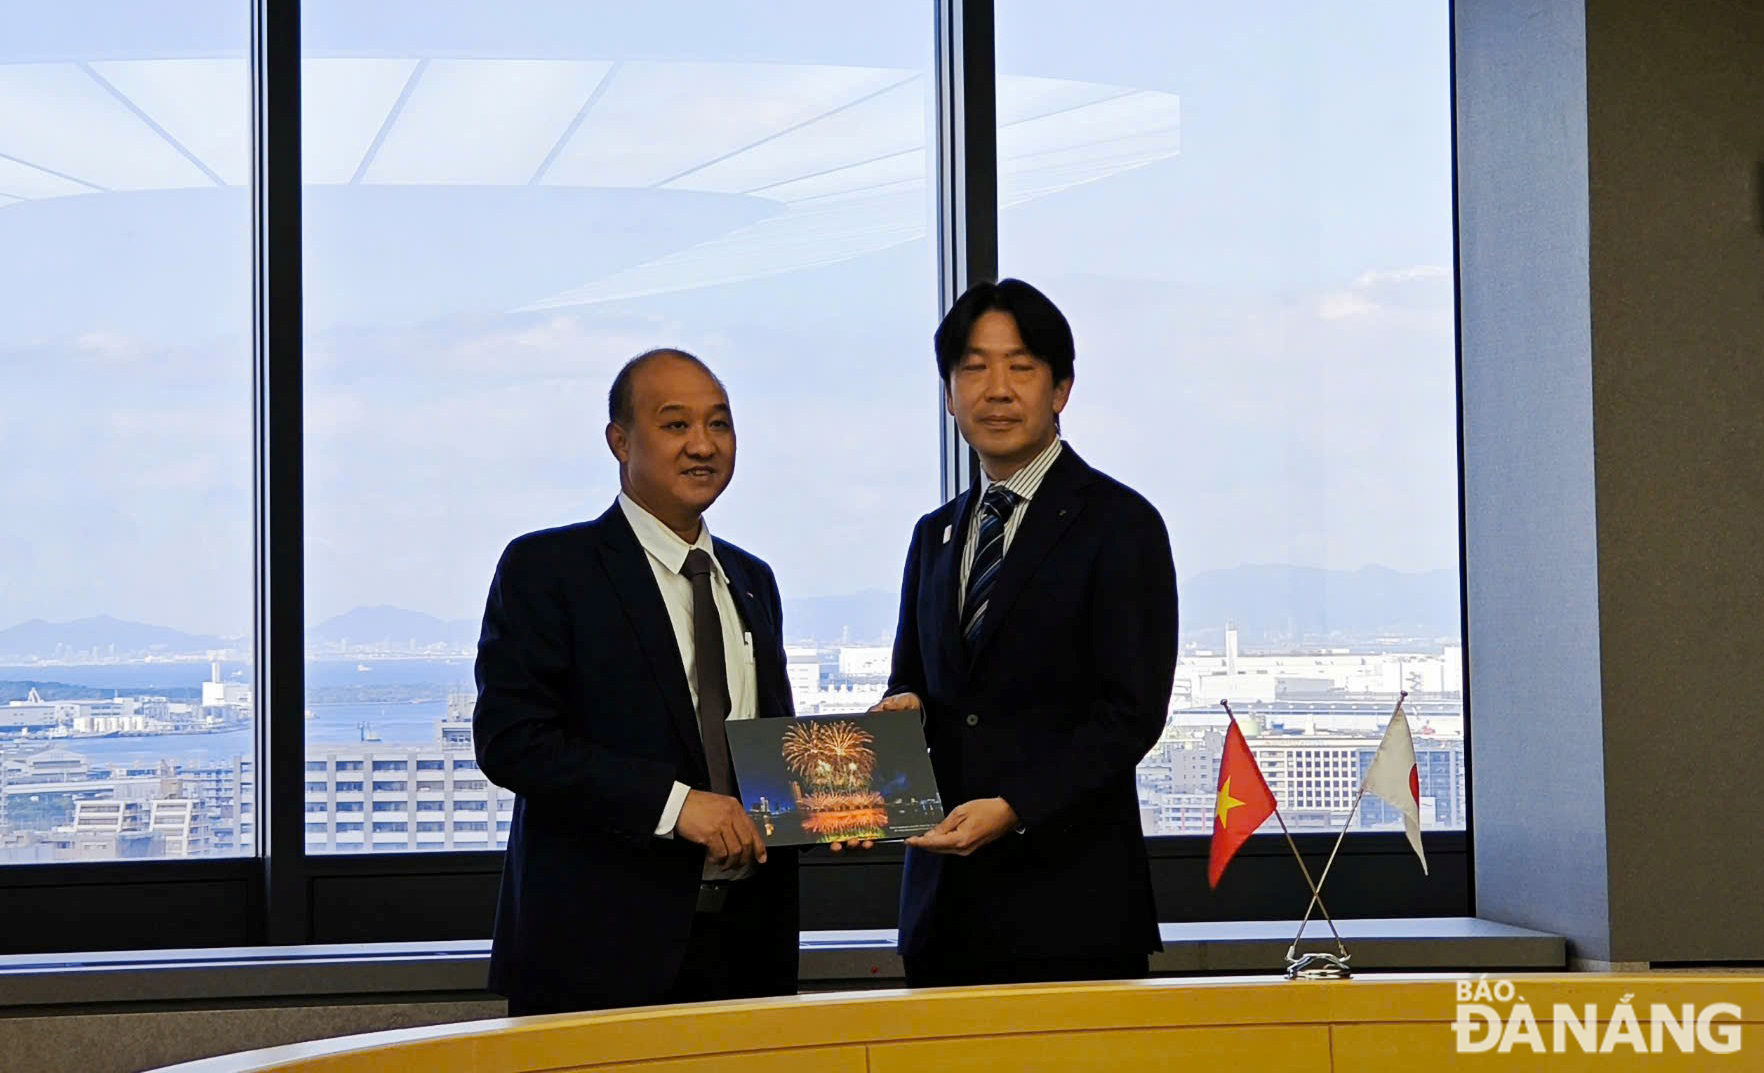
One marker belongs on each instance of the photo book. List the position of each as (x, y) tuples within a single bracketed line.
[(833, 778)]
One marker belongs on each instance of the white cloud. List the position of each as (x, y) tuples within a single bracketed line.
[(194, 473), (109, 345), (1375, 277), (555, 345), (476, 354), (1379, 292), (333, 413), (1345, 305)]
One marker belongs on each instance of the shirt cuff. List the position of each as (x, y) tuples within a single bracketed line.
[(1022, 828), (670, 816)]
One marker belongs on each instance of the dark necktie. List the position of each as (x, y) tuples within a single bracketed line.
[(712, 671), (995, 511)]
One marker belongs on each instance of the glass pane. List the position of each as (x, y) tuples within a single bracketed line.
[(126, 719), (506, 202), (1246, 212)]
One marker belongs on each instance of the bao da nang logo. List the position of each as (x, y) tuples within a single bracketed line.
[(1493, 1016)]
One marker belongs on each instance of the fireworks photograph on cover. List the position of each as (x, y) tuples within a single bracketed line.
[(832, 778)]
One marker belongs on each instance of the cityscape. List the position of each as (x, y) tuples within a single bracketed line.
[(90, 773), (1282, 386)]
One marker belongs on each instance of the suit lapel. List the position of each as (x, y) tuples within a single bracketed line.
[(1055, 507), (634, 581), (946, 582), (756, 619)]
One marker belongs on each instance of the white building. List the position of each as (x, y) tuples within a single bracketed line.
[(865, 661), (34, 716), (1209, 677), (369, 797), (849, 697), (803, 669), (224, 701)]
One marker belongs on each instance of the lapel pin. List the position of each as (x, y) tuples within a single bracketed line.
[(947, 530), (1062, 512)]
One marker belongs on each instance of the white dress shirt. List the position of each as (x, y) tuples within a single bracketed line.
[(1025, 482), (666, 553)]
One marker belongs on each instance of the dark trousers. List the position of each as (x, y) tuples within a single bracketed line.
[(729, 955), (956, 968)]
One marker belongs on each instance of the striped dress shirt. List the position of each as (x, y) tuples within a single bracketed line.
[(1024, 483)]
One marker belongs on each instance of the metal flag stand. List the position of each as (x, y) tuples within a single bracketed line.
[(1319, 965), (1325, 966)]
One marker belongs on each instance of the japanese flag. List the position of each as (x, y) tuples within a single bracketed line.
[(1394, 778)]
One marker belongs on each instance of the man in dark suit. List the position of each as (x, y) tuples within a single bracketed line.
[(611, 653), (1037, 636)]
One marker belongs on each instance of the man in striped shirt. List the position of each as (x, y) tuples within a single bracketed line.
[(1037, 637)]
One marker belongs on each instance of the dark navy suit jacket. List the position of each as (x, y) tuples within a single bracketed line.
[(1061, 695), (584, 711)]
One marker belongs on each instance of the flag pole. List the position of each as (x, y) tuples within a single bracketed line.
[(1316, 896)]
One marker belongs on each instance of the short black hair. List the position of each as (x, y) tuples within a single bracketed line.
[(1040, 323), (620, 400)]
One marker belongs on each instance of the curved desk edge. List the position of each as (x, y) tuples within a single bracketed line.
[(844, 959), (1382, 1023)]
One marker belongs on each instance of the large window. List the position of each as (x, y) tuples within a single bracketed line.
[(1245, 210), (126, 714), (503, 204)]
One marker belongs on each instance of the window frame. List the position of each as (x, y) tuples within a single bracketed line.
[(283, 896)]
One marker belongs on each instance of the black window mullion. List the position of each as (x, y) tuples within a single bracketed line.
[(1463, 516), (277, 474), (967, 181)]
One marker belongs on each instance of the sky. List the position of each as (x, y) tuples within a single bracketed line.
[(1245, 211)]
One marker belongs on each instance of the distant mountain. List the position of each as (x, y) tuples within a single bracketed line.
[(11, 691), (38, 639), (863, 617), (1276, 603), (54, 691), (392, 626), (1269, 604)]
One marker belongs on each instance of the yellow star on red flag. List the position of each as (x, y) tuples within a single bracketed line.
[(1226, 803), (1236, 818)]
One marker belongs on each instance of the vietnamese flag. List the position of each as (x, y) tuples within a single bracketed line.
[(1243, 803)]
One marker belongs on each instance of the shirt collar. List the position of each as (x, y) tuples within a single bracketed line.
[(1026, 481), (663, 544)]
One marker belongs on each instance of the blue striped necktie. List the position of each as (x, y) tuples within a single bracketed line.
[(995, 510)]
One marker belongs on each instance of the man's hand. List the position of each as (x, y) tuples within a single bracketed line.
[(968, 827), (899, 702), (722, 827), (894, 702)]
